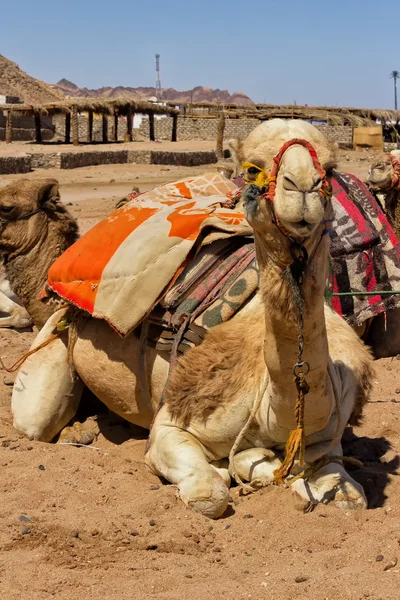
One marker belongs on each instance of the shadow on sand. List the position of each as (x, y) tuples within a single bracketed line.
[(375, 474)]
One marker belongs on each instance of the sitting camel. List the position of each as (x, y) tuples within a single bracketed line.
[(35, 229), (243, 370), (384, 181)]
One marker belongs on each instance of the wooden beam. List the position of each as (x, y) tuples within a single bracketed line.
[(174, 137), (9, 127), (129, 117), (67, 127), (90, 127), (38, 128), (115, 132), (75, 126), (220, 136), (152, 129), (104, 119)]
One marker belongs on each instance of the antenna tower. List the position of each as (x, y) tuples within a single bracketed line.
[(158, 80)]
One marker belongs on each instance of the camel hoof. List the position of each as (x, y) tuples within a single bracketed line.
[(80, 433), (351, 496), (205, 492), (333, 486)]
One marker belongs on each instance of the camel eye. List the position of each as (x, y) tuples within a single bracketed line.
[(6, 209), (253, 170)]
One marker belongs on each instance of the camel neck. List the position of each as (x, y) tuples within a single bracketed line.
[(27, 266), (282, 330)]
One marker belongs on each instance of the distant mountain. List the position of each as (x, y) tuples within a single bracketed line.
[(197, 94), (15, 82)]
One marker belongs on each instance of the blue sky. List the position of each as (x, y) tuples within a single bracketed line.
[(315, 52)]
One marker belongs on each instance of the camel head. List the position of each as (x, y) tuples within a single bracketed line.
[(27, 210), (297, 195), (381, 173)]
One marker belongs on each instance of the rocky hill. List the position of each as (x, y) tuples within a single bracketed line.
[(197, 94), (15, 82)]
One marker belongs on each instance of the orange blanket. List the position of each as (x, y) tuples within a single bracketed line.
[(119, 269)]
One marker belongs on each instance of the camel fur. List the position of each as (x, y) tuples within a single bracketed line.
[(28, 247), (209, 396)]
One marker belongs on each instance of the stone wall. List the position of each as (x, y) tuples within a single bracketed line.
[(206, 129), (24, 128)]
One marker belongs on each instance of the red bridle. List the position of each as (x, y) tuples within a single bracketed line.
[(325, 189)]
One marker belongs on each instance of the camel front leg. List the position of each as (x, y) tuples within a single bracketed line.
[(18, 317), (45, 396), (330, 484), (179, 457)]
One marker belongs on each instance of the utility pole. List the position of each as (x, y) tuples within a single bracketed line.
[(158, 80)]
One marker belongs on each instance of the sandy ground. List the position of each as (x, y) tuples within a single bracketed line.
[(93, 522), (18, 148)]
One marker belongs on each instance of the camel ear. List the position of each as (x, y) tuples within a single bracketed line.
[(236, 148), (48, 192)]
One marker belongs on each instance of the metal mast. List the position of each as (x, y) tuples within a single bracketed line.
[(158, 80)]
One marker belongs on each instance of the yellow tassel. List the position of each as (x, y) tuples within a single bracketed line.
[(294, 443), (262, 180)]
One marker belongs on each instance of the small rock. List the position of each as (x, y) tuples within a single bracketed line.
[(94, 532), (246, 572), (125, 541), (75, 533), (41, 468), (155, 487), (227, 526), (69, 203), (379, 558), (112, 181), (248, 516), (189, 576), (186, 534), (25, 531), (301, 579), (152, 522), (152, 547), (392, 563), (24, 519), (134, 532), (397, 390), (196, 538)]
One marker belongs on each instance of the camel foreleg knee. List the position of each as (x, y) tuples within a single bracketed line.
[(256, 464), (178, 457), (45, 395)]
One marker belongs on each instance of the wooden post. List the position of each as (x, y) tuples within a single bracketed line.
[(174, 137), (220, 136), (152, 130), (38, 128), (67, 127), (115, 132), (105, 127), (9, 127), (129, 116), (75, 126), (90, 127)]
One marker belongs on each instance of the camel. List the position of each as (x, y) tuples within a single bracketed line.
[(34, 230), (243, 367), (384, 181)]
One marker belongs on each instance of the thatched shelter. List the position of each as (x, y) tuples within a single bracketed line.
[(125, 107), (332, 115)]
